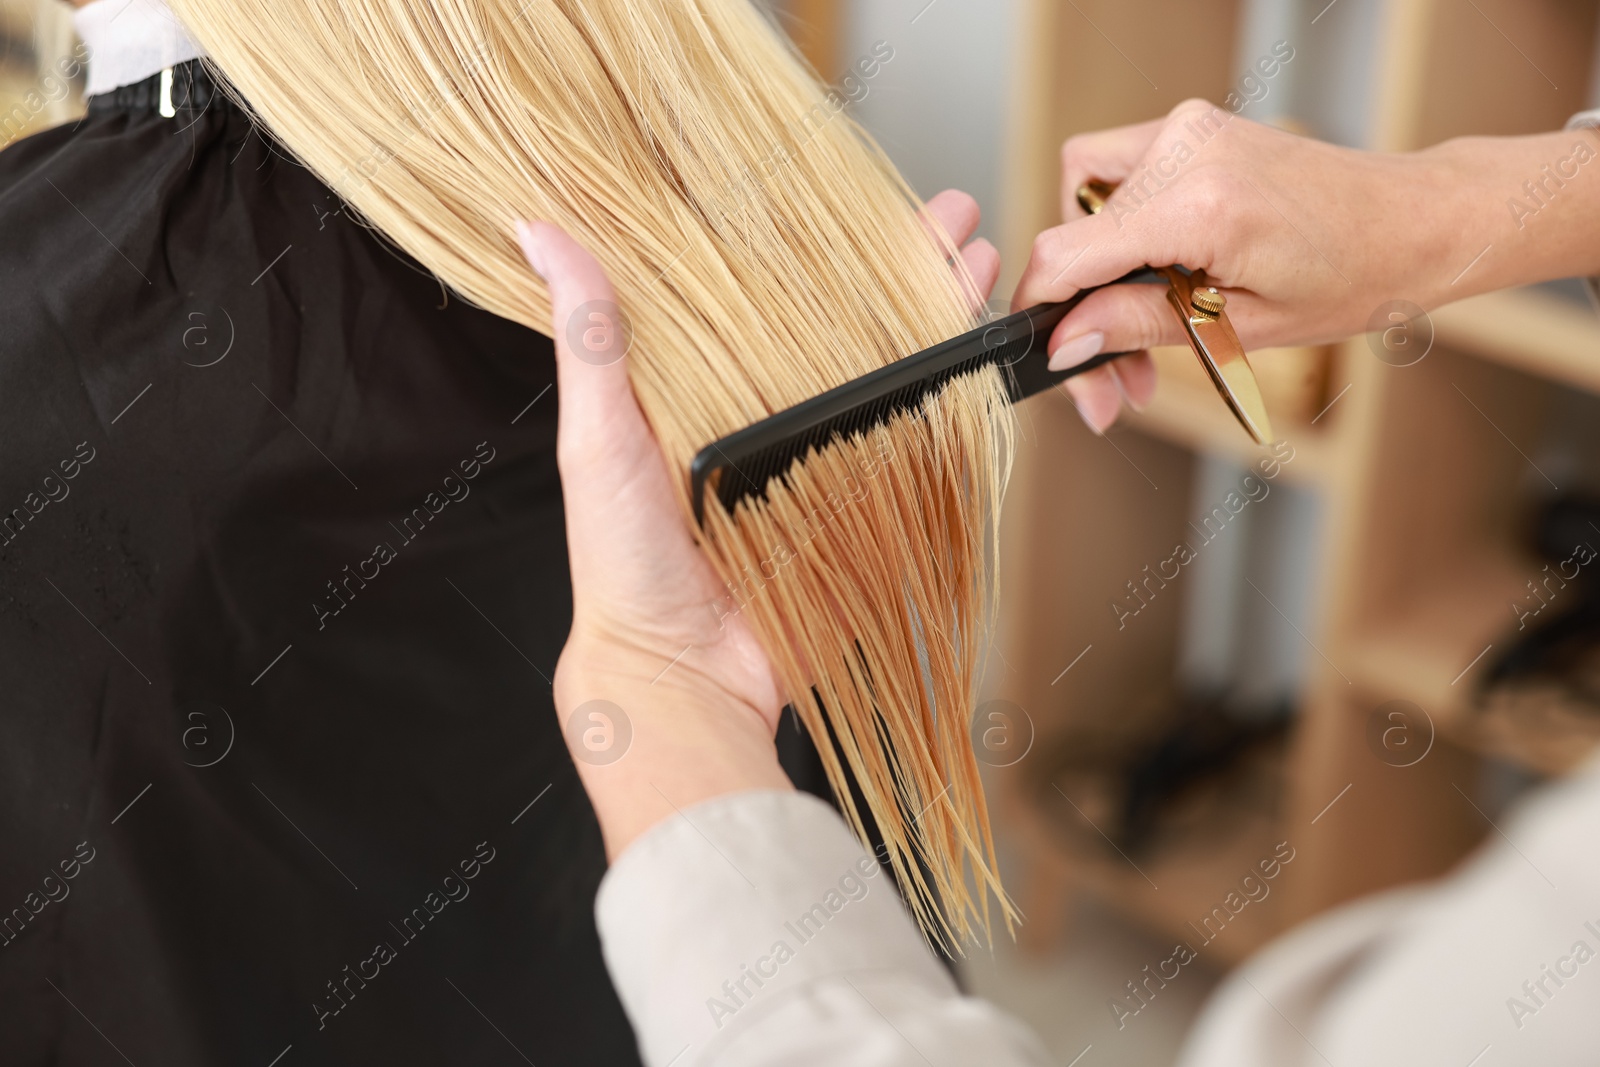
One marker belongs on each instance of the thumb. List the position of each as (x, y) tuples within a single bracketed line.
[(601, 424), (1116, 318)]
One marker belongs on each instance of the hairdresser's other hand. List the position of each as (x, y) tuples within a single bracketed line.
[(958, 215), (689, 699), (1307, 239)]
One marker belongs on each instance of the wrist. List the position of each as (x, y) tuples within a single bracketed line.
[(1446, 217), (1517, 210), (647, 744)]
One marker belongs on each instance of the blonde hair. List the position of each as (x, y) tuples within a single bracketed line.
[(764, 251)]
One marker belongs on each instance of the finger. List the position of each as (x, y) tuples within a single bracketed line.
[(600, 418), (1095, 250), (615, 486), (1118, 318), (955, 213), (1096, 397), (1099, 394), (1136, 374), (983, 262), (1110, 155)]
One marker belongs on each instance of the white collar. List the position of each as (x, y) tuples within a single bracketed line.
[(131, 40)]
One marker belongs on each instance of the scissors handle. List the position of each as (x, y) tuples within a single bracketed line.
[(1200, 306)]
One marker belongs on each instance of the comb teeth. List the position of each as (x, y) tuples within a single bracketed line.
[(748, 477), (742, 465)]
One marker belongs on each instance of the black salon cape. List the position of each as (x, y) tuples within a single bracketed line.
[(282, 585)]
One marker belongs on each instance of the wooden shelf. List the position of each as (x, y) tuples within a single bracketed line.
[(1187, 411), (817, 29), (1434, 654), (1423, 474), (1185, 885), (1172, 892), (1551, 746), (1432, 650), (1535, 332)]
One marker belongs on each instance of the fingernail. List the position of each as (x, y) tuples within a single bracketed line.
[(1077, 350), (1122, 390), (1077, 405), (530, 248)]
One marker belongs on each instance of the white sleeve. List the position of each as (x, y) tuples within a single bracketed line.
[(752, 929), (1497, 964), (1588, 120)]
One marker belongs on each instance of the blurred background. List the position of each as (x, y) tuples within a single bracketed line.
[(35, 37), (1380, 642), (1372, 653)]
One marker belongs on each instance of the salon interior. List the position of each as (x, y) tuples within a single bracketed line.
[(1234, 687)]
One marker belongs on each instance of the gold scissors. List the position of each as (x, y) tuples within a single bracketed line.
[(1200, 307)]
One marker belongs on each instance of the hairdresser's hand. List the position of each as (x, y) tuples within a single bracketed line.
[(692, 698), (1307, 239), (957, 214), (690, 702)]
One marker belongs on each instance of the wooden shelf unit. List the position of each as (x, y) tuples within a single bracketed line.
[(1186, 411), (1425, 492), (1540, 334), (1171, 895)]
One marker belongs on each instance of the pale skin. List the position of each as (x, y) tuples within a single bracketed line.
[(643, 592), (1306, 239), (1396, 226)]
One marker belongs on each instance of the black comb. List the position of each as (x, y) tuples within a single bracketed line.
[(742, 464)]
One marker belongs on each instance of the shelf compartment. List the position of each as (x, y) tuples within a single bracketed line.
[(1538, 333), (1187, 411), (1169, 893)]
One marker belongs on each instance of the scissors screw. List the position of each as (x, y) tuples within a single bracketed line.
[(1209, 301)]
